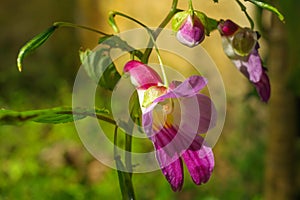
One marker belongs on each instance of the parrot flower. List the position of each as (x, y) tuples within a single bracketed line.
[(173, 117), (241, 46)]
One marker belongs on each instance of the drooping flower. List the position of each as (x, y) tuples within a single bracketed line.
[(173, 117), (241, 46)]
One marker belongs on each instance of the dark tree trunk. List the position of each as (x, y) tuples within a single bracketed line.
[(281, 157)]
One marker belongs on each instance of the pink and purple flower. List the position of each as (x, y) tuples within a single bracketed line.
[(173, 117), (241, 46)]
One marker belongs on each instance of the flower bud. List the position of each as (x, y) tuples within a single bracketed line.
[(191, 32), (228, 27)]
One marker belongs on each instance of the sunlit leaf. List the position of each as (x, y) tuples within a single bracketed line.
[(33, 44), (51, 116), (267, 6)]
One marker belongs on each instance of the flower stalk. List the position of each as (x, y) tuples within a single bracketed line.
[(124, 177)]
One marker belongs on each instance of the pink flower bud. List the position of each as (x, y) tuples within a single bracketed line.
[(191, 32), (228, 27)]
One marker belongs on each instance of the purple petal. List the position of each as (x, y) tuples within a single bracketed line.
[(251, 67), (172, 142), (170, 163), (198, 114), (199, 160), (254, 67), (191, 116), (188, 88), (147, 120), (174, 174), (142, 76), (263, 88)]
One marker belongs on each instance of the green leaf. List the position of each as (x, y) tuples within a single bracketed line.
[(178, 19), (104, 38), (112, 21), (33, 44), (209, 23), (267, 6), (100, 67), (51, 116)]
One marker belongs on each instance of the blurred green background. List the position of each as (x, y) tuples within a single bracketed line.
[(39, 161)]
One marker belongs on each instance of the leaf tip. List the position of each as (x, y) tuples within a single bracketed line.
[(19, 64)]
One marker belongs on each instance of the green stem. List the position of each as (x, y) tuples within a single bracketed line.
[(114, 13), (125, 181), (163, 24), (160, 61), (98, 116), (128, 147), (67, 24), (191, 5), (244, 9)]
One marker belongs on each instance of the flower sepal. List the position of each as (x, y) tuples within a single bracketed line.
[(209, 23), (178, 19)]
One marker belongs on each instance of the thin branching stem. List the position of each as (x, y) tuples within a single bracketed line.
[(244, 9), (67, 24), (157, 31)]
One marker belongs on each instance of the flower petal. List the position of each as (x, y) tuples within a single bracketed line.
[(147, 120), (142, 76), (191, 116), (263, 87), (254, 67), (199, 160), (188, 88), (169, 162), (198, 114), (251, 67), (174, 174)]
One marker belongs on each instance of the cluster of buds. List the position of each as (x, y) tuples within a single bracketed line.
[(239, 44)]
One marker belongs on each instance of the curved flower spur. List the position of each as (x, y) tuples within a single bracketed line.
[(173, 117)]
